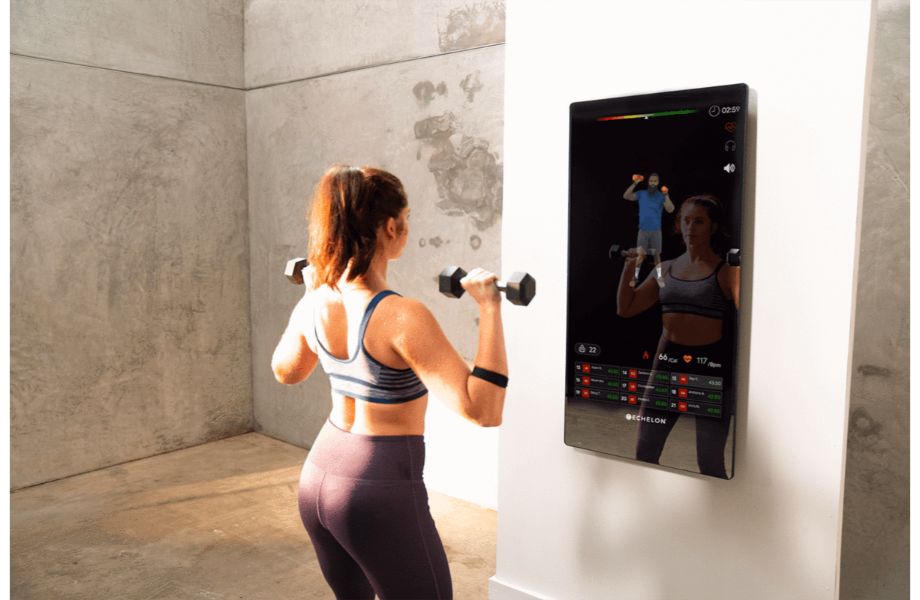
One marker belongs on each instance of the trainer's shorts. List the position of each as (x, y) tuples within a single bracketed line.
[(651, 241)]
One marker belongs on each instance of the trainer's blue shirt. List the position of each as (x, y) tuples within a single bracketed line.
[(650, 204)]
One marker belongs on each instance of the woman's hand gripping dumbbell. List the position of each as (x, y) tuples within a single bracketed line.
[(519, 289)]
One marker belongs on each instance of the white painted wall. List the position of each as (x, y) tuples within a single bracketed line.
[(461, 459), (574, 524)]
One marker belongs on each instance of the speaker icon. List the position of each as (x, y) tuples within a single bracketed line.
[(729, 168)]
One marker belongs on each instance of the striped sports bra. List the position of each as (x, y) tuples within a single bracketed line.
[(365, 378), (695, 296)]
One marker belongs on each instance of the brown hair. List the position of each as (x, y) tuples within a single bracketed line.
[(349, 205)]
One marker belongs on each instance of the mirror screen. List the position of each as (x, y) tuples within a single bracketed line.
[(655, 201)]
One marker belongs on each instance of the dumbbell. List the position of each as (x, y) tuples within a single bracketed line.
[(293, 270), (733, 257), (664, 189), (637, 178), (618, 250), (519, 289)]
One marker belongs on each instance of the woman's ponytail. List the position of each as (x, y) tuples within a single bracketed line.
[(349, 206)]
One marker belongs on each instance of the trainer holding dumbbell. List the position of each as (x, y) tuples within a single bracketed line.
[(648, 241), (383, 353)]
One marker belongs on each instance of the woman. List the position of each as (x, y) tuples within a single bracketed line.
[(361, 497), (695, 301)]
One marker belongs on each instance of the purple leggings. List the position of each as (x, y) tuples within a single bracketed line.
[(365, 507)]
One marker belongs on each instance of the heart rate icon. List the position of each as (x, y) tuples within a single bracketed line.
[(687, 358), (731, 126)]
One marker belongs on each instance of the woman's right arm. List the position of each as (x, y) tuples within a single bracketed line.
[(633, 301), (422, 344), (293, 360)]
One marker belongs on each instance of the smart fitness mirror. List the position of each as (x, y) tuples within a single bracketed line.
[(655, 207)]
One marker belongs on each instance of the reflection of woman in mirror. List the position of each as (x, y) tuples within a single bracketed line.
[(695, 304)]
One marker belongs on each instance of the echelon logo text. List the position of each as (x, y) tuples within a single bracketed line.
[(656, 420)]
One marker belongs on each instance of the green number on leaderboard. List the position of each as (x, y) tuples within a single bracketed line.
[(612, 397), (714, 411), (661, 404), (714, 396)]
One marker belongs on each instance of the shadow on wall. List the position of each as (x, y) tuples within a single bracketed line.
[(785, 523)]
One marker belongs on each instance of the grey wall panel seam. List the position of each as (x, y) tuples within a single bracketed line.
[(124, 462), (268, 85), (373, 66), (249, 261), (76, 64)]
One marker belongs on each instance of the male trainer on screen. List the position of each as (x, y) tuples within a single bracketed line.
[(649, 239)]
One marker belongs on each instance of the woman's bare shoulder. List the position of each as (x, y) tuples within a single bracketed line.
[(411, 317), (412, 326), (406, 310)]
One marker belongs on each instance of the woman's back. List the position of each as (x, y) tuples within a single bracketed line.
[(373, 389)]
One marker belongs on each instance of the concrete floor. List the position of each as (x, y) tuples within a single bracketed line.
[(215, 521)]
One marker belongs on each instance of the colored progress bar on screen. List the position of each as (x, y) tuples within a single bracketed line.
[(667, 113)]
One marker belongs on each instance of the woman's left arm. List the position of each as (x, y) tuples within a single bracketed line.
[(730, 281), (293, 359)]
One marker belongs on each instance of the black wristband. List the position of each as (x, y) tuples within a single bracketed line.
[(491, 376)]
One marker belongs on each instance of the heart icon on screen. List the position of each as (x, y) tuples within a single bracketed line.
[(687, 358), (730, 126)]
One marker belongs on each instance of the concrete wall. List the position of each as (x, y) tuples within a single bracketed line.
[(129, 250), (199, 40), (874, 562), (436, 122), (288, 40), (621, 529)]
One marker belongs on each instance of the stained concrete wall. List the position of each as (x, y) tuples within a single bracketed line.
[(288, 40), (193, 40), (436, 122), (129, 249), (876, 506)]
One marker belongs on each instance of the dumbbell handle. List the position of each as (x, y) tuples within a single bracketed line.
[(501, 284)]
